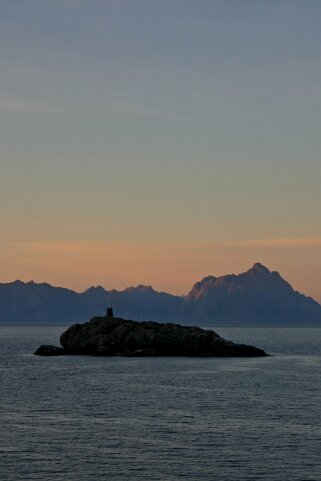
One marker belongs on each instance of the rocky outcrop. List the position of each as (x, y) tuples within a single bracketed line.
[(109, 336), (49, 350)]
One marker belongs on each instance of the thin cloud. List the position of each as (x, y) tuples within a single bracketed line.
[(48, 4), (149, 112), (27, 106), (284, 242), (111, 248)]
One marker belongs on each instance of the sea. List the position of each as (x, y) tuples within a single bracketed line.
[(82, 418)]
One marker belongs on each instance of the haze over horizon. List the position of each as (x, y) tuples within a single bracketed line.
[(157, 142)]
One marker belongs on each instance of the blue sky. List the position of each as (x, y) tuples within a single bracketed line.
[(185, 122)]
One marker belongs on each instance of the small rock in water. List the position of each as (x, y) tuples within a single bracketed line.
[(48, 350)]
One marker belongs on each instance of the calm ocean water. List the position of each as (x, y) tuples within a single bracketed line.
[(126, 419)]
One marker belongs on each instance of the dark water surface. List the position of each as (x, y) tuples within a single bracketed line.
[(126, 419)]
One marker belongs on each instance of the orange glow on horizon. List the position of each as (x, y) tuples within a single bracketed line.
[(171, 267)]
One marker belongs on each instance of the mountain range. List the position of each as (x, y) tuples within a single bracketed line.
[(257, 297)]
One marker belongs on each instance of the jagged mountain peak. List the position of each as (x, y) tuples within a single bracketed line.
[(95, 288), (258, 268), (18, 282), (255, 296), (208, 280), (199, 288), (140, 288), (205, 282), (258, 277)]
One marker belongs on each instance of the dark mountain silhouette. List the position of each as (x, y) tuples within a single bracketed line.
[(43, 303), (31, 302), (257, 297), (141, 303)]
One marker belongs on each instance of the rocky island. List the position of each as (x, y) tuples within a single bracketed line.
[(112, 336)]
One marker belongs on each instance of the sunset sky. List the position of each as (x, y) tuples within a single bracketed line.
[(159, 141)]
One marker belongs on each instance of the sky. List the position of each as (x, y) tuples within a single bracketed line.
[(159, 141)]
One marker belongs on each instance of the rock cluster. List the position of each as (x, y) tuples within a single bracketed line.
[(110, 336)]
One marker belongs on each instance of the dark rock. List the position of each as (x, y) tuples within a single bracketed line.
[(48, 350), (106, 336)]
